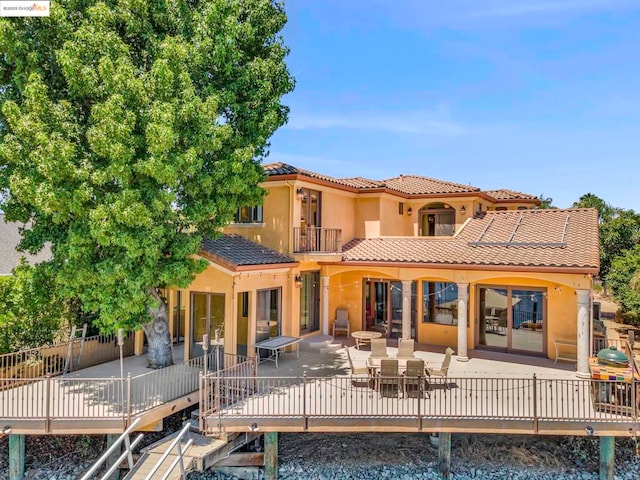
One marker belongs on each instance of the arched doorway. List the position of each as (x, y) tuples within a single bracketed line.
[(437, 220)]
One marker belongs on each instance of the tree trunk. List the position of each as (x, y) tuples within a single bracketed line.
[(158, 338)]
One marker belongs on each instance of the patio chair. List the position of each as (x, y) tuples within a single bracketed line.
[(416, 384), (406, 348), (358, 380), (341, 322), (389, 378), (379, 348), (444, 369)]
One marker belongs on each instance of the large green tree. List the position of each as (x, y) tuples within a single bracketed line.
[(129, 131)]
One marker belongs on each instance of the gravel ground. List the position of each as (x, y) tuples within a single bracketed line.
[(369, 456), (411, 456)]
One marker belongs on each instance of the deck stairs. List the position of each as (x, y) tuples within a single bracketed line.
[(202, 453), (320, 343)]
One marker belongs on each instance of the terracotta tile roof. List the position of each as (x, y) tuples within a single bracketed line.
[(237, 251), (530, 238), (505, 194), (279, 168), (418, 185), (407, 184), (9, 240)]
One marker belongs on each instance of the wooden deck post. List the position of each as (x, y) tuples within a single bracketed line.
[(113, 458), (271, 456), (444, 455), (607, 457), (16, 456)]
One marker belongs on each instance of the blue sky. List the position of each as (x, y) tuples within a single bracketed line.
[(540, 96)]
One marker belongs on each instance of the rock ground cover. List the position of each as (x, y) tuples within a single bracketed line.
[(368, 456)]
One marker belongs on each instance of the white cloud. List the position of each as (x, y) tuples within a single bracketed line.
[(390, 122)]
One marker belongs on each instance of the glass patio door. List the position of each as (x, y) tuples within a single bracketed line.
[(207, 314), (512, 319), (268, 315), (310, 302), (383, 307)]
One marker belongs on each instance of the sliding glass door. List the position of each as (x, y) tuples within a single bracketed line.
[(512, 318)]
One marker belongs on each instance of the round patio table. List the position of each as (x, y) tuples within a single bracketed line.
[(364, 336)]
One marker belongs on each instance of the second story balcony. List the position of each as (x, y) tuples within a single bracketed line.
[(317, 240)]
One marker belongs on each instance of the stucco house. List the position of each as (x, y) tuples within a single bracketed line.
[(409, 257)]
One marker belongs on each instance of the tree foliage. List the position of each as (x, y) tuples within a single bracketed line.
[(605, 211), (546, 202), (131, 130), (619, 230), (624, 270), (617, 235), (30, 313)]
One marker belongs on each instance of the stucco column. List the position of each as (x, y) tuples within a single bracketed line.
[(463, 299), (583, 333), (324, 294), (406, 309)]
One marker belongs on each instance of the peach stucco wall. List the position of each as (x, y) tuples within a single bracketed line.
[(274, 233), (346, 291)]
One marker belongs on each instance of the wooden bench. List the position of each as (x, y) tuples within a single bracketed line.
[(561, 344)]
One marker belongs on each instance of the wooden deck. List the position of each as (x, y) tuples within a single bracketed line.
[(98, 400), (501, 399)]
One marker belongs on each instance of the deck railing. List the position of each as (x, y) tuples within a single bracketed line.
[(524, 405), (317, 240), (65, 399), (50, 360)]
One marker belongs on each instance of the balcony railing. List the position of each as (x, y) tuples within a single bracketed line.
[(317, 240)]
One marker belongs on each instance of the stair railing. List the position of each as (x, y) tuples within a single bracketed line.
[(179, 459), (127, 453)]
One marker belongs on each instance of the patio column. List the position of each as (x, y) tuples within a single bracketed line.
[(324, 294), (463, 300), (583, 333), (406, 309)]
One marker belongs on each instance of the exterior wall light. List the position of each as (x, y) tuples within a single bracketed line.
[(463, 209), (253, 427), (409, 211), (300, 193), (298, 281)]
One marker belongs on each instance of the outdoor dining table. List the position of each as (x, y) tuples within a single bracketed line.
[(373, 364), (364, 336), (275, 345)]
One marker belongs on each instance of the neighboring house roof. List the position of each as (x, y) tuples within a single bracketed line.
[(238, 253), (528, 238), (9, 240), (505, 194)]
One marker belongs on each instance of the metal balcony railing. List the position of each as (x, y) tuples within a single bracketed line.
[(317, 239)]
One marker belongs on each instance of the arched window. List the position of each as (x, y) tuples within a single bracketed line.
[(437, 220)]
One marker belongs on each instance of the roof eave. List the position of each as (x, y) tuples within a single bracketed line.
[(459, 266)]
